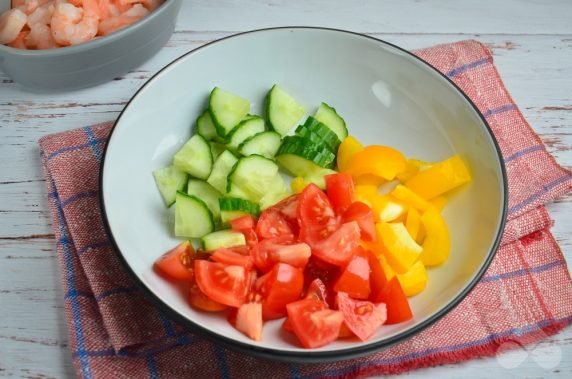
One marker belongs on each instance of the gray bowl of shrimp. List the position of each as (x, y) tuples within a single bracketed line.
[(55, 45)]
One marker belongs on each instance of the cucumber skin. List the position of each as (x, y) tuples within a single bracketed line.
[(267, 109), (296, 145), (206, 208), (343, 133), (210, 153), (220, 129), (252, 138)]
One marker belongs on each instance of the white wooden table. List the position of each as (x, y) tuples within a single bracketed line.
[(532, 45)]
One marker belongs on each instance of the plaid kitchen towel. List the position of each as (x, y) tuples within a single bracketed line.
[(525, 295)]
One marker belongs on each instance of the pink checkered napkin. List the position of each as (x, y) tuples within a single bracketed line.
[(525, 295)]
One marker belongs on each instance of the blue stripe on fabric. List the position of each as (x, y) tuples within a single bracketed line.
[(152, 366), (501, 109), (93, 143), (546, 188), (522, 271), (101, 296), (70, 281), (221, 361), (75, 147), (522, 152), (294, 371), (93, 246), (167, 325), (467, 67), (78, 196)]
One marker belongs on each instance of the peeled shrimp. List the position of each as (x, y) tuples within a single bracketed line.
[(41, 37), (20, 41), (128, 17), (11, 24), (42, 15), (71, 25)]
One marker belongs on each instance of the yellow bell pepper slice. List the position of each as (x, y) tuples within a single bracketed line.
[(437, 243), (365, 193), (409, 197), (413, 223), (386, 209), (439, 202), (298, 184), (439, 178), (369, 180), (382, 161), (402, 250), (348, 148), (387, 270), (415, 280)]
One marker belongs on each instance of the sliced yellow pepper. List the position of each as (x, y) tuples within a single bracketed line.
[(439, 178), (365, 193), (382, 161), (413, 223), (413, 281), (348, 148), (437, 243), (369, 180), (389, 273), (298, 184), (386, 209), (402, 250), (439, 202), (409, 197)]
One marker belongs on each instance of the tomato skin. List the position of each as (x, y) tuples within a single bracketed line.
[(177, 263), (377, 278), (340, 190), (249, 320), (363, 214), (398, 309), (317, 289), (201, 301), (354, 279), (363, 318), (271, 224), (287, 209), (315, 215), (243, 223), (279, 287), (313, 323), (262, 255), (226, 284), (230, 257), (337, 249)]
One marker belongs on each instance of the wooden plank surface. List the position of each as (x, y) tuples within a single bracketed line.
[(532, 46)]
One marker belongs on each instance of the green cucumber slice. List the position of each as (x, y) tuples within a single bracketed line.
[(253, 175), (317, 132), (216, 149), (301, 156), (206, 193), (226, 110), (193, 219), (276, 192), (282, 110), (232, 208), (195, 157), (222, 238), (328, 116), (169, 180), (246, 129), (205, 126), (265, 144), (221, 168)]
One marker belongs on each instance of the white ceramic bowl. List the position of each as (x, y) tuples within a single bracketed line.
[(386, 95)]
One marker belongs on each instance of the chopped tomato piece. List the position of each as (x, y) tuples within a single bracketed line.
[(354, 279), (230, 257), (201, 301), (226, 284), (398, 309), (363, 318), (177, 263), (317, 289), (243, 223), (337, 249), (287, 325), (313, 323), (377, 277), (249, 320), (345, 332), (279, 287), (296, 255), (340, 190), (315, 215), (264, 253), (272, 224), (363, 214), (287, 209)]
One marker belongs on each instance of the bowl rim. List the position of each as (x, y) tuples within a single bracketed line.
[(309, 356), (93, 44)]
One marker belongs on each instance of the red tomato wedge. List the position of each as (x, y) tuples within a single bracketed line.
[(354, 279), (243, 223), (272, 224), (340, 190), (315, 215), (377, 278), (363, 318), (226, 284), (363, 214), (398, 309), (313, 323), (279, 287), (337, 249), (177, 263), (287, 209), (230, 257), (263, 253), (249, 320), (201, 301), (318, 290)]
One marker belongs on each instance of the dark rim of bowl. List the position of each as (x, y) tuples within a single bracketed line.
[(309, 356), (93, 44)]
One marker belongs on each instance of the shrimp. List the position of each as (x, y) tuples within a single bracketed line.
[(71, 25), (11, 24), (20, 41), (29, 6), (42, 15), (126, 18), (40, 37)]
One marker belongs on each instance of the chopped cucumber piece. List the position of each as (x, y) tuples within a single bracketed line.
[(276, 192), (318, 177), (206, 193), (206, 127), (232, 208), (246, 129), (233, 190), (301, 156), (253, 175), (223, 238), (328, 116), (195, 157), (169, 180), (216, 149), (265, 144), (282, 110), (193, 219), (227, 110), (319, 133), (221, 168)]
